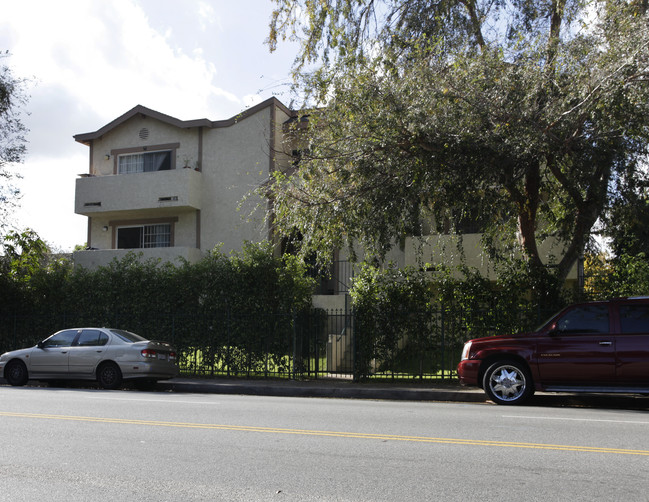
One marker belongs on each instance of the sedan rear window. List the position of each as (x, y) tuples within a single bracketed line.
[(127, 336)]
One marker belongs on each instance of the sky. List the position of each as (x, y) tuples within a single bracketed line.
[(89, 61)]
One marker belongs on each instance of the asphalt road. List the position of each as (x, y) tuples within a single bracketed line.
[(88, 445)]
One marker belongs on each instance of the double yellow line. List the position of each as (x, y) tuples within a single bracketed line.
[(351, 435)]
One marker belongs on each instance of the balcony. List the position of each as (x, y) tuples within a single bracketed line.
[(113, 195), (91, 259)]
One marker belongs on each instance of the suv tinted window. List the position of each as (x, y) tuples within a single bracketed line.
[(634, 318), (585, 319)]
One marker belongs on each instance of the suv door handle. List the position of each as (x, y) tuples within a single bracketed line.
[(606, 343)]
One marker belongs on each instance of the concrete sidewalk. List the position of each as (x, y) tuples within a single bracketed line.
[(328, 388)]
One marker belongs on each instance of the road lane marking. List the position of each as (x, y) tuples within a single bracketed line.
[(351, 435), (606, 420)]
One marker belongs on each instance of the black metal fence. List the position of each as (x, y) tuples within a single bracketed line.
[(305, 346)]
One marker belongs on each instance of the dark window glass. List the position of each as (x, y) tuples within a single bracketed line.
[(585, 319), (129, 238), (92, 338), (634, 318), (127, 336), (61, 339)]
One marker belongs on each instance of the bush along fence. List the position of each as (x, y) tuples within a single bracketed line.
[(311, 345), (249, 314)]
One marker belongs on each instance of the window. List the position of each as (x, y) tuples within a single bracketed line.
[(144, 236), (92, 338), (62, 339), (127, 336), (586, 319), (634, 318), (144, 162)]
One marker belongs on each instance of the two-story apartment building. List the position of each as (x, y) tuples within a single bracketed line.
[(172, 188)]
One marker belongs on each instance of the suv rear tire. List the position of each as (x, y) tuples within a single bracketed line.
[(508, 382)]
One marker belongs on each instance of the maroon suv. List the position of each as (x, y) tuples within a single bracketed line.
[(590, 347)]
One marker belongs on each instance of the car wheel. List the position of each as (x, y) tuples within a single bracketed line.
[(508, 382), (109, 376), (16, 373)]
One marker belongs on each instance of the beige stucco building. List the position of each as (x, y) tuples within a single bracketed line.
[(171, 188)]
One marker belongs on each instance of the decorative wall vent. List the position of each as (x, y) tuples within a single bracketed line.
[(144, 133)]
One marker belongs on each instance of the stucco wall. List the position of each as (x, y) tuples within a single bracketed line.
[(236, 161), (127, 135)]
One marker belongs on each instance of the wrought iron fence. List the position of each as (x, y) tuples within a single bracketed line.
[(312, 345)]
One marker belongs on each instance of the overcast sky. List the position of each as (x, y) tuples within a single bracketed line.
[(90, 61)]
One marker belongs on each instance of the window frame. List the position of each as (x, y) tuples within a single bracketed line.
[(120, 152), (117, 225)]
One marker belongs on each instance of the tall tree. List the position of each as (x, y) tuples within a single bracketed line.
[(625, 223), (12, 138), (522, 112)]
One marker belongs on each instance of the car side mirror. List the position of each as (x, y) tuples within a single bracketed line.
[(41, 344), (554, 330)]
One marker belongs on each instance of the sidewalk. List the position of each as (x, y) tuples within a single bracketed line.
[(328, 388)]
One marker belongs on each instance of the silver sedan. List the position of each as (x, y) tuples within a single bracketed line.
[(108, 356)]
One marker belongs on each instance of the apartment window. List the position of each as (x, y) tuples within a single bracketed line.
[(144, 236), (144, 162)]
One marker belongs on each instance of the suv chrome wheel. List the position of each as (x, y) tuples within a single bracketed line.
[(508, 382)]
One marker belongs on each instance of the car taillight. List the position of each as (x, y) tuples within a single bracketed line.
[(149, 353), (172, 356)]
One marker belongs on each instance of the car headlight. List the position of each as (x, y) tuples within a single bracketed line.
[(466, 350)]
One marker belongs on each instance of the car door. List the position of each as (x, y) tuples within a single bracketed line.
[(87, 351), (632, 345), (50, 357), (579, 350)]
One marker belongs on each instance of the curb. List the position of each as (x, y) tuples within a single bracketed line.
[(324, 391), (333, 390)]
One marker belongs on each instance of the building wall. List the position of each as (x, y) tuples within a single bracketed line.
[(236, 161), (127, 135), (213, 204)]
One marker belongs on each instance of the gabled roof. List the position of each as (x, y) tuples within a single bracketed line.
[(86, 138)]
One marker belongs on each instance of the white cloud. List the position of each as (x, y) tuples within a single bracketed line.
[(93, 60), (207, 15)]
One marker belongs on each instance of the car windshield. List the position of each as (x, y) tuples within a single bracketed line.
[(127, 336)]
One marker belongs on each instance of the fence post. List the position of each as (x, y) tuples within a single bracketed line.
[(291, 364), (443, 333), (352, 324)]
